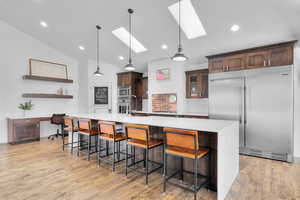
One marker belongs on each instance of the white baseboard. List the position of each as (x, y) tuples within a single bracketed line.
[(297, 160)]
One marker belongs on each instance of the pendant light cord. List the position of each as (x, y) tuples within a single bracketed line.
[(98, 28), (179, 31), (130, 36)]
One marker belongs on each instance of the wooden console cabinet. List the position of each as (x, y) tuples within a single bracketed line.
[(24, 130), (266, 56)]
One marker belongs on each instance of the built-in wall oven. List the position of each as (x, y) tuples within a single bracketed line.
[(124, 100)]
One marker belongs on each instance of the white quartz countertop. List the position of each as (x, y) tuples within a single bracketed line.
[(166, 113), (208, 125)]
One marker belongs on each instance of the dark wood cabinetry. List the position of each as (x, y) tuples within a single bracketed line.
[(145, 88), (197, 84), (265, 56), (24, 130), (132, 80)]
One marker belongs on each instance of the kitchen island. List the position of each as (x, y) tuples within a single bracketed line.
[(221, 135)]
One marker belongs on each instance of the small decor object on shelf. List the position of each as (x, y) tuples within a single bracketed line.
[(60, 91), (25, 106)]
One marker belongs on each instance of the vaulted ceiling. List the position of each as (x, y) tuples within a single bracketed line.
[(72, 23)]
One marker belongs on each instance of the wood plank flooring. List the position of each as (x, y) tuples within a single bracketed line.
[(41, 171)]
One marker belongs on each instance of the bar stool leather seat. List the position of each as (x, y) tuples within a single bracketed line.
[(89, 132), (184, 152), (118, 137), (142, 143)]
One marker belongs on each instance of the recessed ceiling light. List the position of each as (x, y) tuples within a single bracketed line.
[(190, 21), (235, 28), (121, 58), (123, 35), (43, 24), (81, 47), (164, 46)]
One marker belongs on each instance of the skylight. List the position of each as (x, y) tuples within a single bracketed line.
[(123, 35), (190, 22)]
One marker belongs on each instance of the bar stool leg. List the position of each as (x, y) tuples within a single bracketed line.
[(144, 152), (195, 178), (181, 168), (165, 171), (99, 151), (119, 146), (78, 144), (63, 139), (72, 142), (126, 159), (89, 147), (133, 158), (147, 164), (107, 148), (114, 150)]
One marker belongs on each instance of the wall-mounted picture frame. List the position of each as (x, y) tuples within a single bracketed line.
[(163, 74), (100, 95), (47, 69)]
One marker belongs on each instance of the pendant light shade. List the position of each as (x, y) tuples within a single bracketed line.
[(130, 66), (97, 72), (179, 56)]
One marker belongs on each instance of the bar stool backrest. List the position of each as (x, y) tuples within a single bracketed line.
[(84, 124), (138, 132), (107, 128), (181, 138)]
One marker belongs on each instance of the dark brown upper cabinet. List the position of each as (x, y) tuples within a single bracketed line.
[(145, 87), (216, 65), (197, 84), (266, 56), (234, 63), (257, 59)]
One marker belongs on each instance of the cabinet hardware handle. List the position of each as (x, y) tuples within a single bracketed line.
[(269, 61), (264, 63)]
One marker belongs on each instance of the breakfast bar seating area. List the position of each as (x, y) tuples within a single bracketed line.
[(164, 145)]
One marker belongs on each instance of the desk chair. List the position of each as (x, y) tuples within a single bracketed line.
[(58, 119)]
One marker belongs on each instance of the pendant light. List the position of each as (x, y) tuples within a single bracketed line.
[(130, 66), (179, 56), (97, 72)]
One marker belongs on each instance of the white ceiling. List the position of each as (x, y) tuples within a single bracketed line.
[(72, 22)]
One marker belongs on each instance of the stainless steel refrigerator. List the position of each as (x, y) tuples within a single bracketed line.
[(262, 101)]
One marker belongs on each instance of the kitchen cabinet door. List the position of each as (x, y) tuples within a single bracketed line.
[(216, 65), (280, 56), (234, 63), (197, 84), (257, 59), (145, 87)]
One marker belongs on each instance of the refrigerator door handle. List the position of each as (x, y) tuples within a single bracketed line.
[(245, 104)]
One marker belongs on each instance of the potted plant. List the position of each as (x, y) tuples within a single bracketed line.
[(26, 106)]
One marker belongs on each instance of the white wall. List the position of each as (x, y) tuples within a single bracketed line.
[(297, 102), (109, 79), (15, 50), (176, 84)]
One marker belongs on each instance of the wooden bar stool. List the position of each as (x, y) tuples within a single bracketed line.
[(86, 129), (185, 144), (109, 133), (139, 136), (69, 127)]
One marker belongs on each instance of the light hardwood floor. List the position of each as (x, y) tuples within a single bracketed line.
[(41, 171)]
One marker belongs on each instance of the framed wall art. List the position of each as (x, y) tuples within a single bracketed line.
[(47, 69)]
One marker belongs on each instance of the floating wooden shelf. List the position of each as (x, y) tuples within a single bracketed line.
[(41, 78), (53, 96)]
